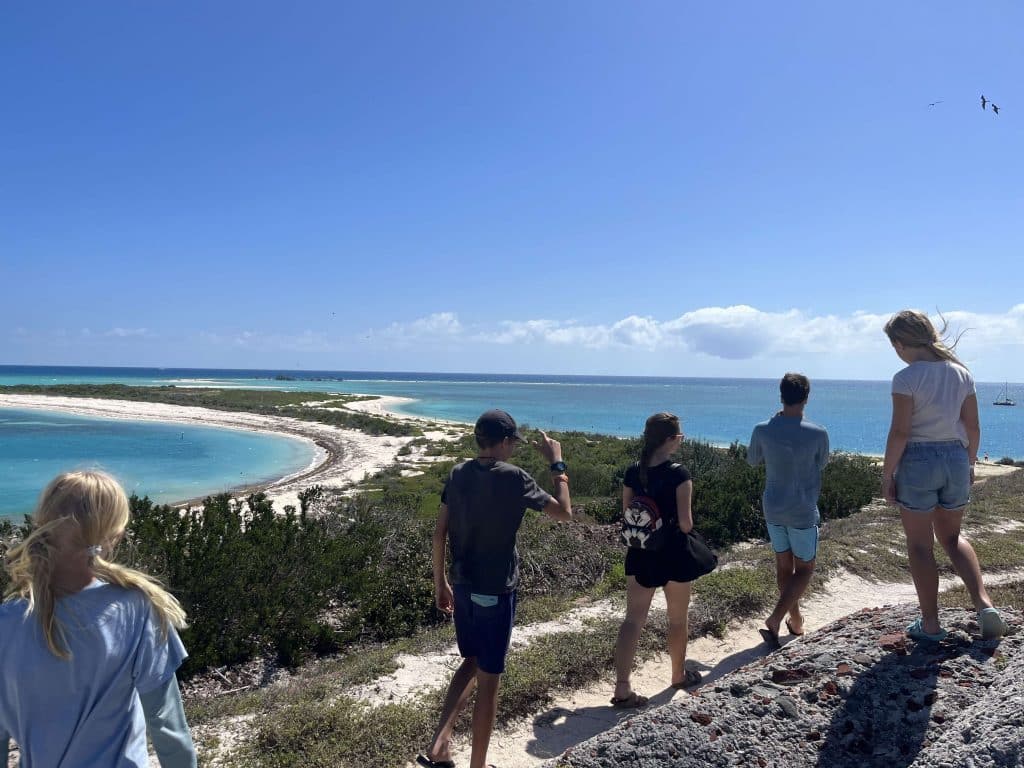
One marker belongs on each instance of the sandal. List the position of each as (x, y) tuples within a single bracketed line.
[(792, 631), (426, 762), (992, 624), (916, 631), (691, 677), (771, 639), (632, 701)]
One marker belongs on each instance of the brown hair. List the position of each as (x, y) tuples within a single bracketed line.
[(795, 388), (86, 511), (913, 329), (657, 429)]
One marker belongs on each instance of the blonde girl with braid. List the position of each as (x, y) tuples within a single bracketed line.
[(655, 475), (929, 466), (88, 648)]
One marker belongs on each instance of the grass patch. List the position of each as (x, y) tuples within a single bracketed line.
[(1003, 595), (729, 594)]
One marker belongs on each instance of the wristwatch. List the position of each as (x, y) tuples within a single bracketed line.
[(558, 466)]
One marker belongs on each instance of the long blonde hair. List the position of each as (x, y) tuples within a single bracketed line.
[(86, 510), (914, 329)]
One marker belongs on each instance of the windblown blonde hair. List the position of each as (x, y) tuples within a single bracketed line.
[(79, 510), (914, 329)]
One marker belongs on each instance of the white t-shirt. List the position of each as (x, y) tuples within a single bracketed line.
[(938, 390), (83, 712)]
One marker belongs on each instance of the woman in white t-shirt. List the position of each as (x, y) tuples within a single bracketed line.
[(929, 467), (88, 648)]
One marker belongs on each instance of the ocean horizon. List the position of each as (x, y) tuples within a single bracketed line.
[(715, 410)]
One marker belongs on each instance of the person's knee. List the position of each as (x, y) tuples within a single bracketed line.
[(804, 567), (949, 542)]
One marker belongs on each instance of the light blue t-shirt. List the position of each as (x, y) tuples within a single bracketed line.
[(794, 451), (83, 712)]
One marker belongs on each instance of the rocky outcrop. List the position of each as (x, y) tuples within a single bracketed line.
[(857, 693)]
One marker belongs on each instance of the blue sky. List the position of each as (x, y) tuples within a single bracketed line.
[(580, 187)]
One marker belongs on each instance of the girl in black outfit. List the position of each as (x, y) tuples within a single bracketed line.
[(669, 484)]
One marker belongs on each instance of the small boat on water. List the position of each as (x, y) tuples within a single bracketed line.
[(1004, 397)]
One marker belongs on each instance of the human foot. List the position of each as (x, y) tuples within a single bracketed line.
[(426, 762), (691, 677), (795, 626)]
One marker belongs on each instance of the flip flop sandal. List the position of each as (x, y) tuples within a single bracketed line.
[(426, 762), (792, 631), (992, 624), (632, 701), (916, 631), (691, 677), (771, 639)]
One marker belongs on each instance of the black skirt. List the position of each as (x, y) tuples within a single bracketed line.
[(670, 563)]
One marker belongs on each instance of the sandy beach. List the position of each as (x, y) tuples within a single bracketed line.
[(342, 456)]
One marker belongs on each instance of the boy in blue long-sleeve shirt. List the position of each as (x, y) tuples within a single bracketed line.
[(794, 452)]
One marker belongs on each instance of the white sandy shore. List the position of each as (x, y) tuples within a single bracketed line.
[(342, 456)]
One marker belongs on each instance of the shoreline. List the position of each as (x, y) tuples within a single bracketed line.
[(341, 456)]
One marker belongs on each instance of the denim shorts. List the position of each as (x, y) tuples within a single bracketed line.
[(483, 627), (802, 541), (934, 475)]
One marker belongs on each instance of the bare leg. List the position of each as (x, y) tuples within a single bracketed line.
[(484, 712), (459, 690), (784, 569), (921, 554), (638, 603), (791, 592), (961, 554), (677, 598)]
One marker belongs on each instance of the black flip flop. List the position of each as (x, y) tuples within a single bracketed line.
[(791, 630), (771, 639), (426, 762)]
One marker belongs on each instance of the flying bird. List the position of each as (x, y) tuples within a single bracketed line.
[(995, 107), (984, 101), (934, 103)]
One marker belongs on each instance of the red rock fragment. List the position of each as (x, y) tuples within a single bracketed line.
[(788, 676), (938, 717), (831, 688), (843, 669), (814, 735), (701, 717)]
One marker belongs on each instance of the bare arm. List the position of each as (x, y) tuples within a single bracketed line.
[(684, 495), (969, 418), (560, 506), (899, 434), (443, 597)]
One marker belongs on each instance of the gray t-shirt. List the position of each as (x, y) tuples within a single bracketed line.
[(486, 502), (794, 451), (938, 390)]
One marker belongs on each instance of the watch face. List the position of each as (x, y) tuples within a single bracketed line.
[(558, 466)]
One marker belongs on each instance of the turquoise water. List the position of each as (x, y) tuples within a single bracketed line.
[(719, 411), (167, 462)]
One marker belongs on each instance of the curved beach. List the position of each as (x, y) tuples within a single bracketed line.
[(342, 456)]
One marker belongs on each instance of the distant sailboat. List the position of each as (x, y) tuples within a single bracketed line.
[(1004, 397)]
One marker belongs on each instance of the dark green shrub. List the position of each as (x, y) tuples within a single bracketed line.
[(251, 581), (848, 483)]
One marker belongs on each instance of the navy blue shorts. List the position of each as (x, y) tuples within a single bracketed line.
[(483, 627)]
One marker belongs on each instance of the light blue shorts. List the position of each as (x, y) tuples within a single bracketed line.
[(803, 542), (933, 475)]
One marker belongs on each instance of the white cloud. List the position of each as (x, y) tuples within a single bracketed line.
[(739, 332), (124, 333)]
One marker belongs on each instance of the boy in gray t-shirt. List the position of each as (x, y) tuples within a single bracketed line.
[(482, 507), (794, 452)]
